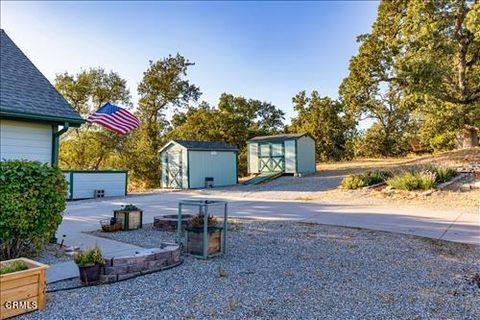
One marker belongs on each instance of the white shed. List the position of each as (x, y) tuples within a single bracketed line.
[(198, 164), (88, 184), (287, 153)]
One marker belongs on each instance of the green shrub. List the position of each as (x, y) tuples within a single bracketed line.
[(413, 180), (426, 180), (89, 257), (129, 207), (443, 174), (444, 141), (364, 179), (198, 220), (404, 181), (32, 198), (14, 266)]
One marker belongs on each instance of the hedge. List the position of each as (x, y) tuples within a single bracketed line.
[(33, 198)]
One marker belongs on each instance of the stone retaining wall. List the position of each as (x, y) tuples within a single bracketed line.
[(169, 222), (149, 260)]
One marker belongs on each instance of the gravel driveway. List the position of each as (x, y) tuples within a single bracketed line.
[(307, 187), (292, 270)]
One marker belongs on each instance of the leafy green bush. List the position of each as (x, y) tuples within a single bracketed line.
[(364, 179), (89, 257), (14, 266), (32, 198), (444, 141)]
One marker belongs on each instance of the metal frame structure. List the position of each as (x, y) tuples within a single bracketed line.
[(203, 206)]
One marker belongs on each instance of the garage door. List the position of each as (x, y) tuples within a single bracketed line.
[(271, 157)]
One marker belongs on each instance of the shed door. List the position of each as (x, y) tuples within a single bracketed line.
[(174, 169), (271, 157)]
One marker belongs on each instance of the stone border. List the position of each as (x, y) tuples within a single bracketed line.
[(169, 222), (375, 185), (146, 261), (446, 184)]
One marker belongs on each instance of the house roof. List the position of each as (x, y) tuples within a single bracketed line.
[(278, 137), (25, 93), (203, 145)]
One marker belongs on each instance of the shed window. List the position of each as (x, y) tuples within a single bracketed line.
[(264, 150), (277, 150)]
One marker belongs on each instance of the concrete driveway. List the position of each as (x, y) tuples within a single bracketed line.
[(447, 225)]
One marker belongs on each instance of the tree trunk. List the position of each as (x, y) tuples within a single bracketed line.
[(467, 138)]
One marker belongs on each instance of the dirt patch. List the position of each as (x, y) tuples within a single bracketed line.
[(454, 158)]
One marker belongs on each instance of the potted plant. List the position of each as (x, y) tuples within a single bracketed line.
[(22, 284), (90, 264), (129, 216), (195, 236)]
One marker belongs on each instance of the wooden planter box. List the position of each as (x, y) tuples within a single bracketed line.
[(130, 220), (195, 240), (23, 291)]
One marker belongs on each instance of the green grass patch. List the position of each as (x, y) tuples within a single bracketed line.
[(368, 178)]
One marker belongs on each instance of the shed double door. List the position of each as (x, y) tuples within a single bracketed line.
[(271, 157), (173, 169)]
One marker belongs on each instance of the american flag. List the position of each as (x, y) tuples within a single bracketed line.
[(114, 119)]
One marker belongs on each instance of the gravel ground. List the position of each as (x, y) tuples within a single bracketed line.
[(278, 270), (145, 237), (285, 187), (51, 254)]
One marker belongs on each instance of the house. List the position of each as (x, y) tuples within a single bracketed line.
[(198, 164), (33, 114), (285, 153)]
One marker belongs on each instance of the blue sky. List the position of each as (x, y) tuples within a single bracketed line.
[(262, 50)]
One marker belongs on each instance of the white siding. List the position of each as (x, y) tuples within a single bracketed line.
[(306, 155), (25, 140), (85, 184), (290, 154), (185, 165), (220, 165), (163, 172), (252, 158)]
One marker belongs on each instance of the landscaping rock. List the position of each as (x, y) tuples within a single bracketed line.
[(286, 270)]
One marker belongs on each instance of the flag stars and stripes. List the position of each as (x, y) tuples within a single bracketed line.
[(114, 119)]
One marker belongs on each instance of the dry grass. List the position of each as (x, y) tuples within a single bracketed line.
[(455, 197), (449, 159)]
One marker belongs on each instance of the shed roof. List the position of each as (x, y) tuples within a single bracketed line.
[(278, 137), (203, 145), (25, 92)]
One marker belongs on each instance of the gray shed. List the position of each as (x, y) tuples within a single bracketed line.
[(287, 153), (198, 164)]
